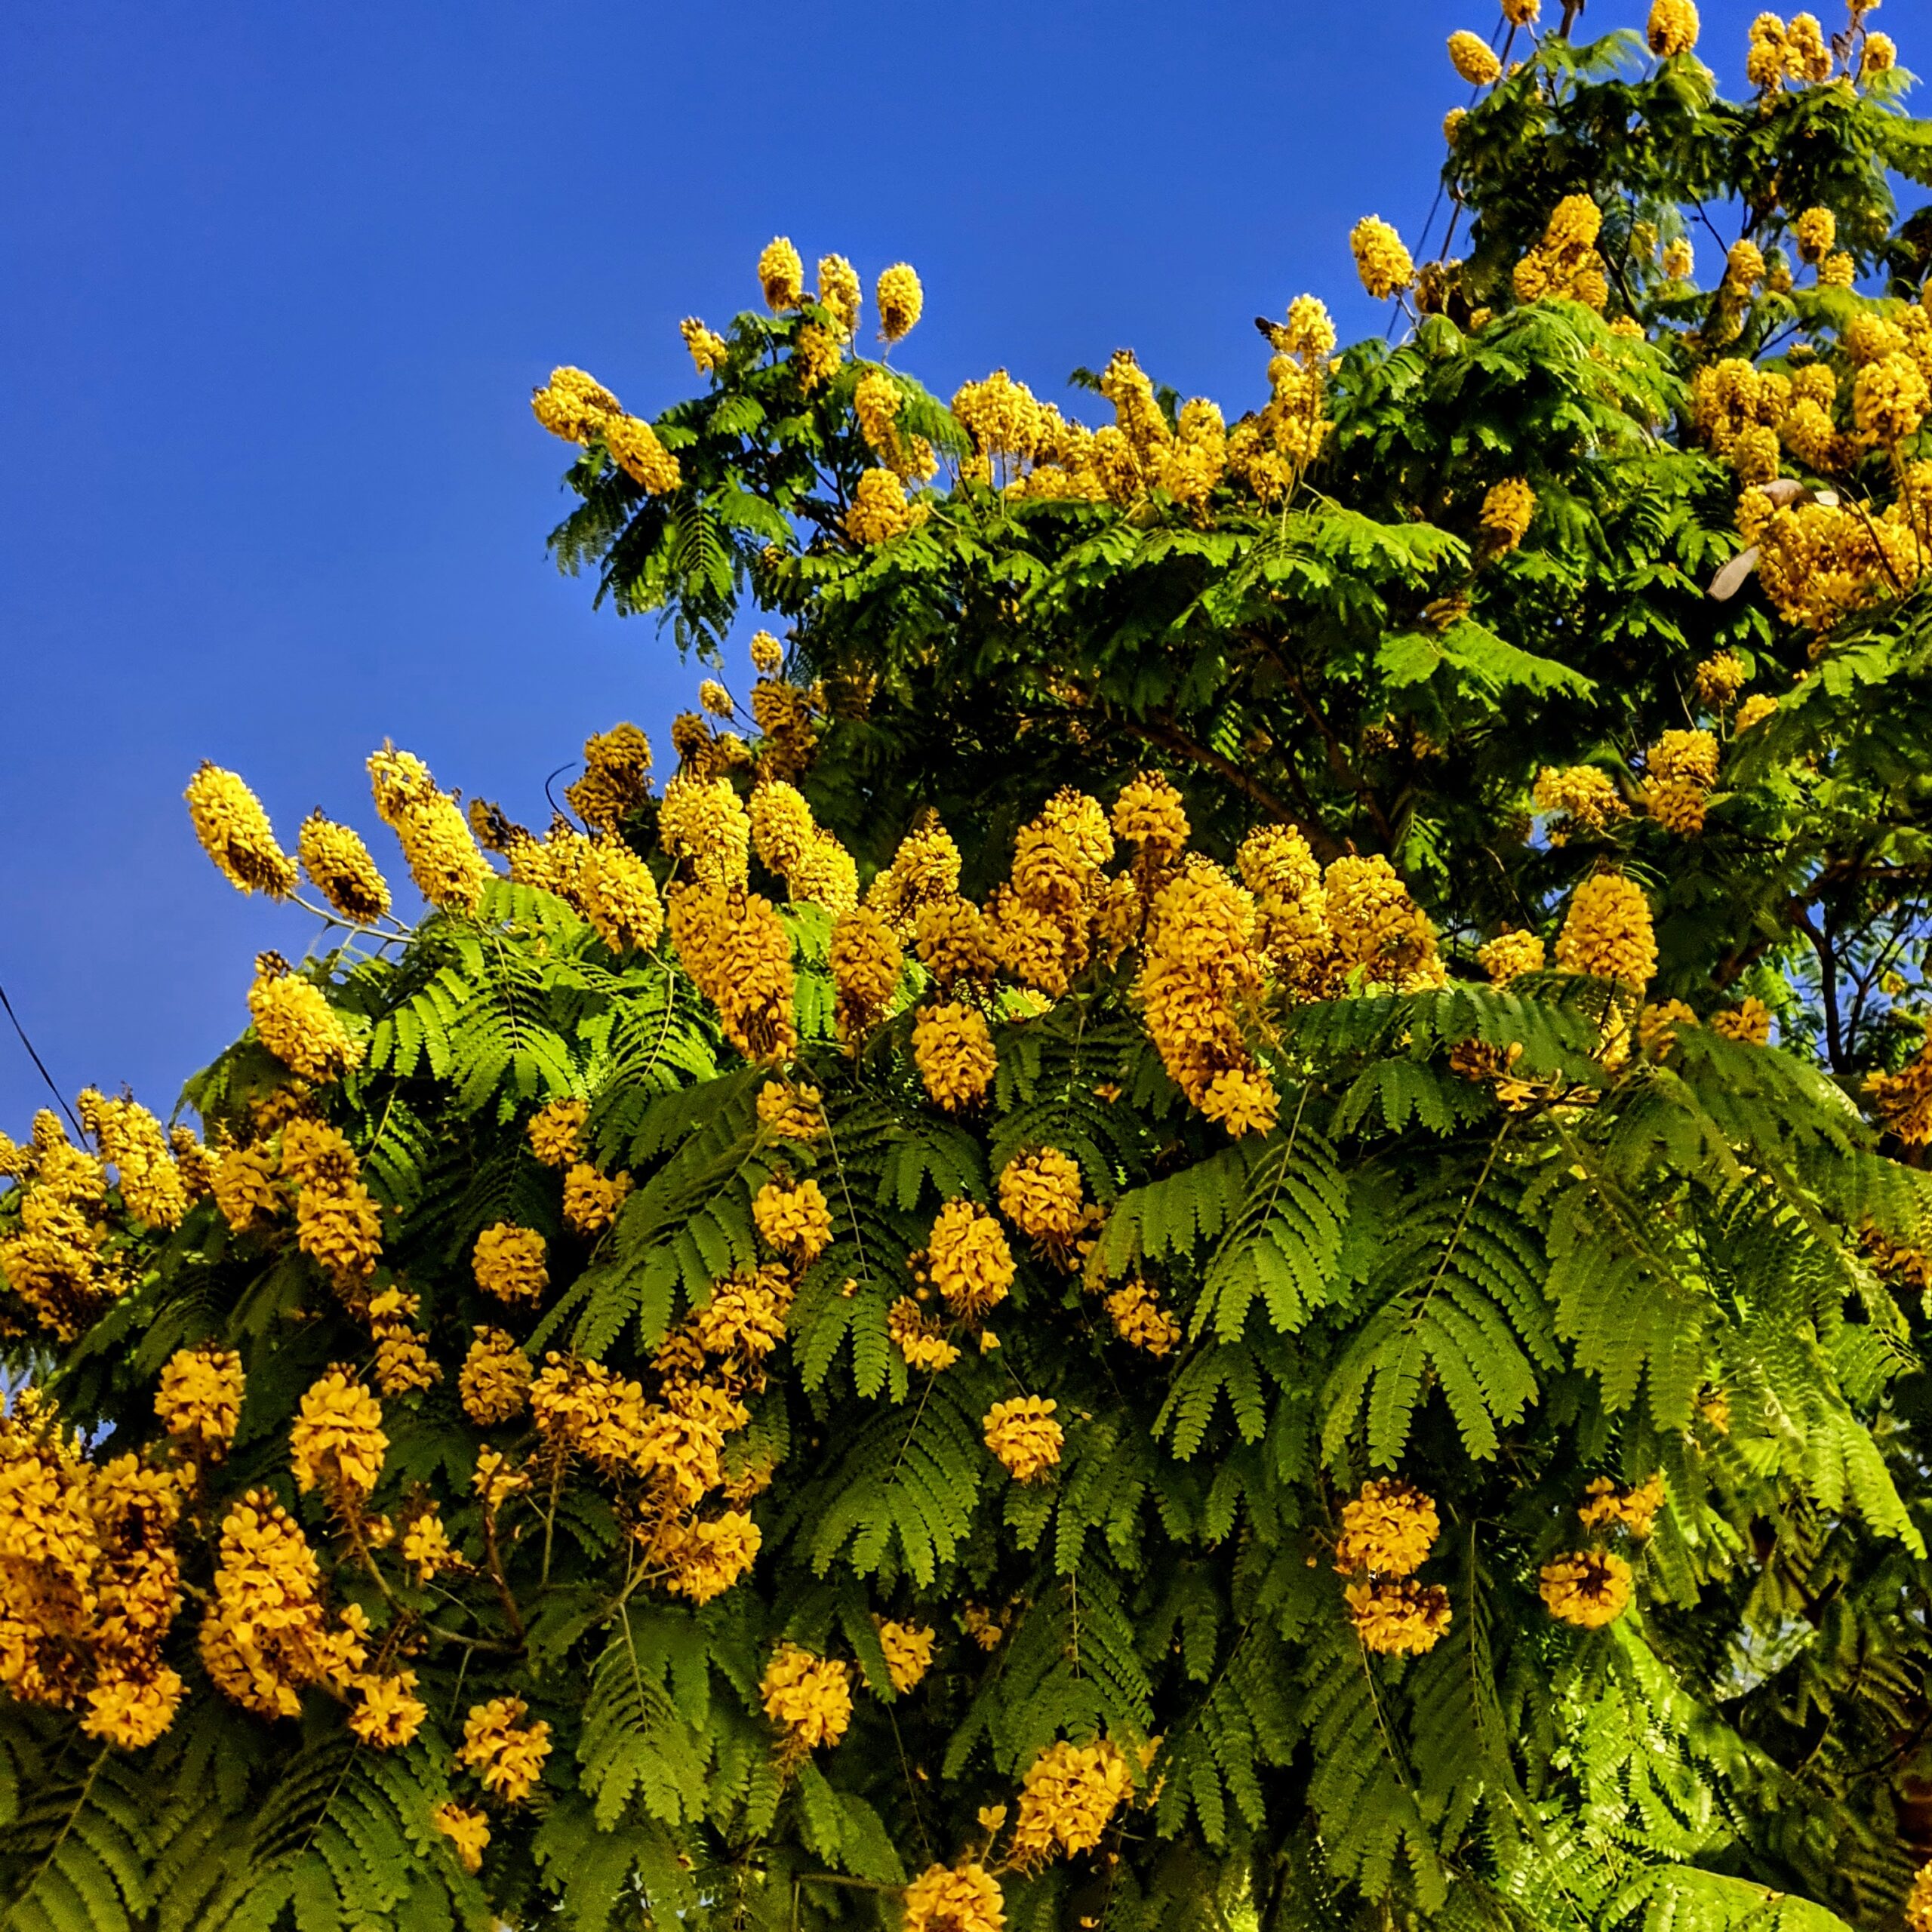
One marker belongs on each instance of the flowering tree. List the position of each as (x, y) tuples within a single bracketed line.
[(1221, 1223)]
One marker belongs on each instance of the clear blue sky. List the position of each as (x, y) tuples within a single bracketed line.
[(279, 277)]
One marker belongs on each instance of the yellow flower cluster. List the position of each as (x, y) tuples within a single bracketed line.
[(573, 405), (1607, 932), (1679, 260), (89, 1582), (1819, 562), (1389, 1528), (340, 868), (616, 777), (839, 292), (967, 1259), (619, 897), (1198, 966), (1040, 1193), (1474, 59), (296, 1023), (1673, 28), (964, 1898), (817, 353), (1901, 1102), (866, 963), (708, 348), (1565, 263), (1140, 1321), (900, 300), (266, 1635), (244, 1187), (1023, 1434), (1815, 232), (706, 831), (468, 1830), (1634, 1509), (337, 1442), (1579, 795), (1590, 1588), (787, 1112), (1748, 1021), (636, 451), (1384, 266), (808, 1697), (706, 1558), (495, 1383), (920, 1341), (508, 1263), (1508, 509), (198, 1400), (739, 954), (1403, 1619), (781, 274), (876, 401), (1794, 51), (436, 841), (795, 1220), (879, 511), (1378, 929), (235, 833), (1718, 680), (591, 1200), (908, 1652), (131, 1141), (1067, 1799), (506, 1753), (953, 1049), (1509, 955), (556, 1132), (53, 1259), (817, 870), (745, 1318), (1682, 767)]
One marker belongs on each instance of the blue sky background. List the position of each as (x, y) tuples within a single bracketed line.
[(280, 276)]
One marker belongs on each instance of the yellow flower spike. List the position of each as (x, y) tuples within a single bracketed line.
[(781, 275), (235, 832), (900, 300)]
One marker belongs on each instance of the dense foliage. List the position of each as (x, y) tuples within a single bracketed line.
[(1220, 1222)]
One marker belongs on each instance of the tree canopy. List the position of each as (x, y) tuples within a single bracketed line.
[(1220, 1220)]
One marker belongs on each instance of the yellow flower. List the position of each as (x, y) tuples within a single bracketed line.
[(708, 348), (468, 1830), (434, 835), (1744, 266), (341, 869), (591, 1202), (1522, 13), (866, 963), (1680, 260), (1636, 1510), (766, 652), (1682, 767), (1837, 270), (1673, 28), (1507, 510), (794, 1220), (235, 833), (1508, 955), (506, 1753), (298, 1025), (574, 405), (1022, 1435), (508, 1263), (920, 1341), (879, 511), (1040, 1193), (791, 1113), (1607, 931), (954, 1052), (816, 355), (1880, 56), (1591, 1588), (1815, 231), (1749, 1021), (133, 1712), (635, 448), (1067, 1799), (900, 300), (556, 1132), (1890, 399), (908, 1653), (1140, 1321), (619, 897), (1404, 1618), (387, 1714), (967, 1258), (781, 275), (199, 1401), (337, 1440), (808, 1697), (1902, 1102), (1755, 710), (839, 291), (966, 1898), (710, 1557), (1475, 60), (738, 952), (616, 777), (1389, 1528), (495, 1381), (131, 1138)]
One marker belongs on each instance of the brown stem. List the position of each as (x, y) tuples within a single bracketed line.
[(494, 1563)]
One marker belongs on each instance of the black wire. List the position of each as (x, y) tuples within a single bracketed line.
[(39, 1062)]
